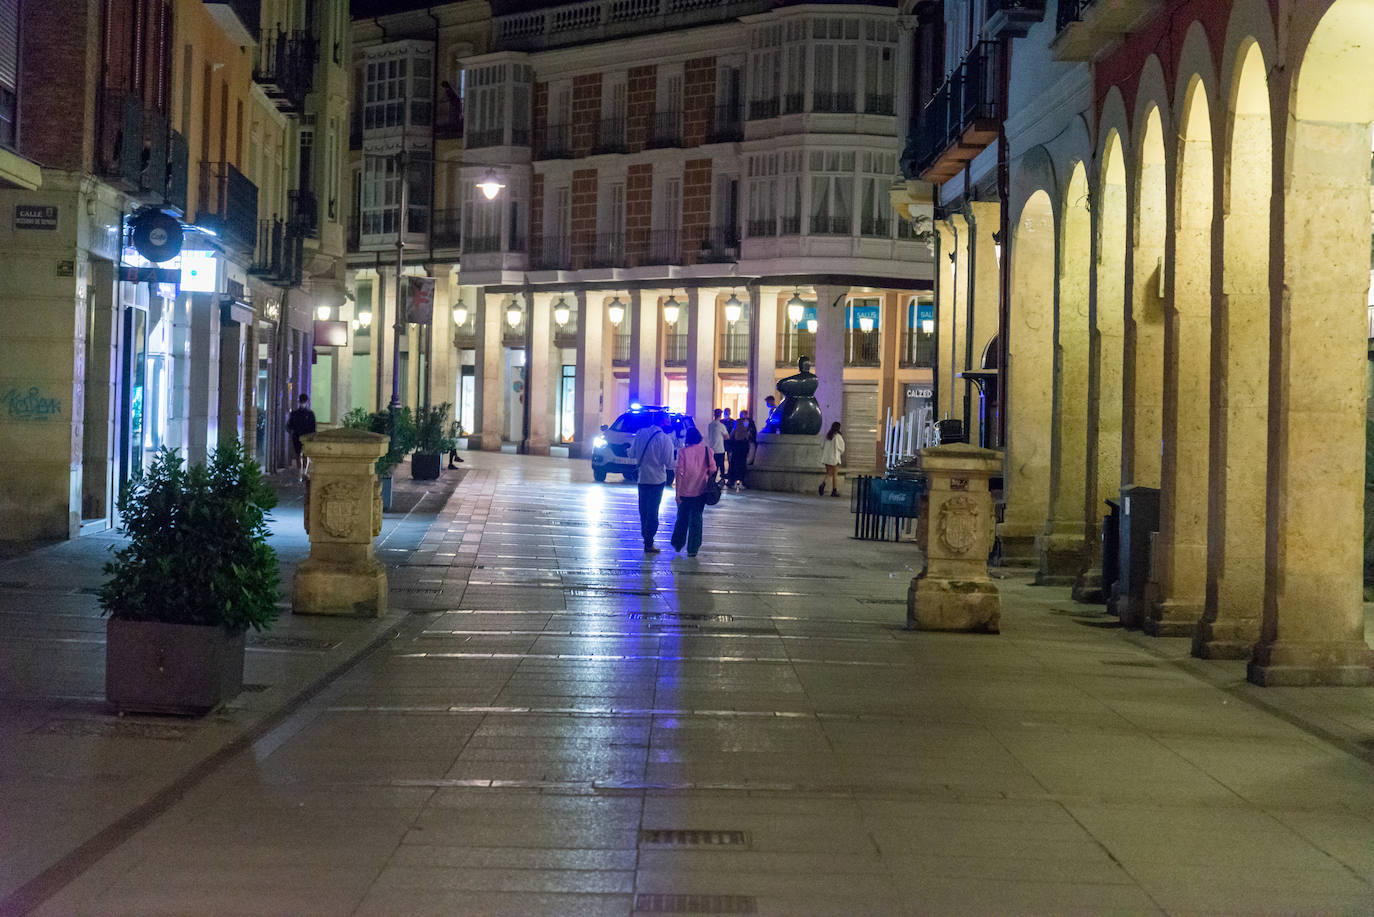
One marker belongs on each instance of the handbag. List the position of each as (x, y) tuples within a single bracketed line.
[(713, 485)]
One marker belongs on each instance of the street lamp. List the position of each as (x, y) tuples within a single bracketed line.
[(732, 308), (365, 319), (490, 185), (865, 323), (796, 308), (460, 315), (322, 313), (561, 312), (514, 313), (812, 325), (671, 310), (615, 311)]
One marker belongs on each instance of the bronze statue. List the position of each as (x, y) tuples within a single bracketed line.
[(799, 412)]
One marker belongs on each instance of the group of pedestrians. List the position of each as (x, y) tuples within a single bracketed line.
[(732, 442), (689, 469)]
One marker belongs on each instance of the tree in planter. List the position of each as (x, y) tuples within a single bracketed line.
[(399, 428), (433, 438), (196, 573)]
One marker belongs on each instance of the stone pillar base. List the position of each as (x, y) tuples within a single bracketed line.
[(1292, 664), (1059, 557), (329, 588), (1087, 588), (937, 604), (1234, 639), (1172, 618), (1018, 550), (534, 447), (787, 462), (485, 442), (1130, 609)]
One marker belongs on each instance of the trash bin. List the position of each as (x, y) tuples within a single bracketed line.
[(1111, 548), (877, 501), (1139, 520), (951, 431)]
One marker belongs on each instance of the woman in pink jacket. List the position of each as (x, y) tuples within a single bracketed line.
[(695, 467)]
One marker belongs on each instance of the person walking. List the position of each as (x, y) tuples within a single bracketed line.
[(695, 468), (832, 452), (715, 436), (741, 438), (652, 451), (300, 422)]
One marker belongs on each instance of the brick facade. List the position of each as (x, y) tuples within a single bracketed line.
[(639, 211), (586, 113), (584, 192), (641, 87), (698, 99), (536, 213), (61, 51), (539, 108), (696, 207)]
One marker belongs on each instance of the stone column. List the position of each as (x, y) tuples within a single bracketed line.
[(947, 285), (701, 354), (591, 336), (889, 403), (954, 532), (763, 350), (645, 374), (537, 379), (343, 513), (489, 372), (831, 312)]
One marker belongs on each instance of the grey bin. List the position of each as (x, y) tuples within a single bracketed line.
[(1139, 519)]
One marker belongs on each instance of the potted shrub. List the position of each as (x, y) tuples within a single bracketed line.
[(197, 572), (433, 440), (400, 428)]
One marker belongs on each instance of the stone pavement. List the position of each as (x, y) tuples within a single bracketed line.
[(562, 726)]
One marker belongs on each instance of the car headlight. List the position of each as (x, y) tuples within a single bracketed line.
[(599, 442)]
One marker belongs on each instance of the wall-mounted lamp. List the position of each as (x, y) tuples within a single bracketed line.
[(561, 312), (615, 311), (365, 319), (796, 307), (460, 314), (812, 325), (733, 308), (997, 245), (322, 313), (927, 326), (514, 313), (865, 323), (671, 310), (490, 185)]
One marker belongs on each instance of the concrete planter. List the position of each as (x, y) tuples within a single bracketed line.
[(180, 669), (425, 466)]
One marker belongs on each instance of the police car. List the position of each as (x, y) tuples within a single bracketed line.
[(611, 450)]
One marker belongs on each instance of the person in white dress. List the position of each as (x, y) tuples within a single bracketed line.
[(832, 452)]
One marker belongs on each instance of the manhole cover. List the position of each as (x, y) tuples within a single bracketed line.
[(291, 643), (695, 904), (692, 837), (111, 729)]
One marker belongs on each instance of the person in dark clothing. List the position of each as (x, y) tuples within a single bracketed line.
[(737, 446), (300, 422)]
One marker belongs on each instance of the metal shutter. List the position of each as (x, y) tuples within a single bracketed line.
[(9, 44), (860, 420)]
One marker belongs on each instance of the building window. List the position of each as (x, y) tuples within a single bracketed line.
[(765, 65), (791, 187), (918, 348), (834, 56), (9, 72), (763, 195), (384, 105), (875, 205), (832, 192), (863, 338), (381, 195), (880, 67)]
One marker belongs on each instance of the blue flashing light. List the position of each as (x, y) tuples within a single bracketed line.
[(636, 406)]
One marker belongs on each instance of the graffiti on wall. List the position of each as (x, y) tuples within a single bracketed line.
[(29, 405)]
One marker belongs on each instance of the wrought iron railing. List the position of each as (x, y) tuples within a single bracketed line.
[(610, 137), (1069, 11), (549, 254), (790, 226), (721, 245), (967, 95), (768, 227), (675, 348), (285, 66), (875, 226), (918, 348), (832, 101), (553, 141), (793, 103), (303, 212), (494, 136), (830, 226), (665, 129), (878, 103), (726, 126), (864, 348), (794, 344), (734, 348), (229, 201), (620, 347), (609, 250), (446, 228), (760, 109), (665, 247)]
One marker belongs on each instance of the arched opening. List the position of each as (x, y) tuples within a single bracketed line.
[(1313, 626), (1142, 365), (1062, 549), (1030, 381), (1179, 579), (1240, 378), (1107, 317)]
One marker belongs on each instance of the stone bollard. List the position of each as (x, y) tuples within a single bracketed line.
[(955, 533), (343, 513)]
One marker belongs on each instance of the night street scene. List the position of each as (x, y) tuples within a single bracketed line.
[(625, 457)]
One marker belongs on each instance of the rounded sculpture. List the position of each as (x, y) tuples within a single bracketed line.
[(799, 412)]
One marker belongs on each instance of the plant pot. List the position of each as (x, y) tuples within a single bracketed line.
[(425, 466), (181, 669), (386, 494)]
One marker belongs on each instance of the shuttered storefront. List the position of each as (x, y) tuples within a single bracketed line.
[(860, 427)]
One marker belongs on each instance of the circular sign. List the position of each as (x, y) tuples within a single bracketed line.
[(157, 236)]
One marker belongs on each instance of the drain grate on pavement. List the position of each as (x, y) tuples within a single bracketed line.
[(110, 729), (278, 642), (692, 837), (677, 618), (695, 904)]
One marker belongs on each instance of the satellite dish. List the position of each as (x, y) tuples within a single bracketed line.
[(157, 236)]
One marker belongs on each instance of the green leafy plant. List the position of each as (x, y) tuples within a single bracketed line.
[(197, 551), (399, 428), (433, 432)]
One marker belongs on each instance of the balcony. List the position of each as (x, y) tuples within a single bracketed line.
[(830, 226), (620, 348), (285, 67), (960, 121), (494, 136), (863, 348), (551, 254), (876, 228), (721, 246), (762, 228), (918, 348), (1088, 29), (879, 104), (279, 255), (665, 247), (734, 348), (446, 228), (553, 141), (303, 213), (133, 147), (665, 129), (842, 102), (790, 226), (674, 348), (761, 109), (793, 103), (228, 204), (541, 26), (726, 126), (1014, 18), (482, 245), (795, 344), (610, 137), (178, 172), (609, 250)]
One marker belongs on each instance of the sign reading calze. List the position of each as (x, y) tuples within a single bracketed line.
[(35, 216)]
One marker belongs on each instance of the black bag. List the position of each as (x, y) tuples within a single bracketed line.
[(713, 485)]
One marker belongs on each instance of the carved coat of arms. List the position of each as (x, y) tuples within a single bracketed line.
[(339, 509), (959, 521)]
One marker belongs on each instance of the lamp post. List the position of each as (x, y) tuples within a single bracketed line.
[(399, 327)]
